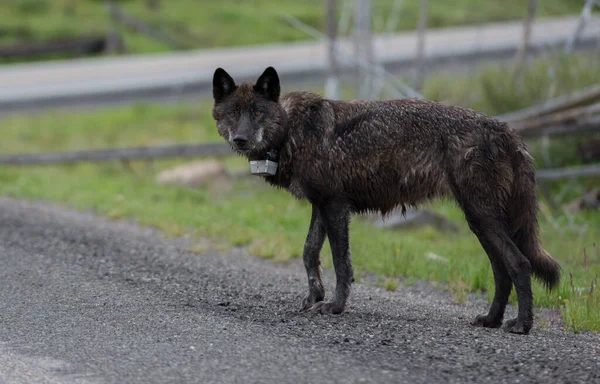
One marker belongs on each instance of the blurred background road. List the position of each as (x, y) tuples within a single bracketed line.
[(169, 76)]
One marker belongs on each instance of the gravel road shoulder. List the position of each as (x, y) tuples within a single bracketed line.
[(84, 299)]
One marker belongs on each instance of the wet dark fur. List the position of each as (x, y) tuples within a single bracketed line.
[(358, 156)]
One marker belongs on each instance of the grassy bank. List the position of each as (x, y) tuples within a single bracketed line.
[(491, 89), (208, 23), (270, 222)]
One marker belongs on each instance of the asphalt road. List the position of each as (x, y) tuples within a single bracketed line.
[(86, 300), (174, 76)]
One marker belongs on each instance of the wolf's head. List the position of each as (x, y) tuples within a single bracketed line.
[(248, 115)]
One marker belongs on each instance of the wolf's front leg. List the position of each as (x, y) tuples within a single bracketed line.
[(337, 221), (312, 263)]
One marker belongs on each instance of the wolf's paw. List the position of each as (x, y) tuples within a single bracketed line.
[(309, 301), (515, 326), (486, 322), (327, 307)]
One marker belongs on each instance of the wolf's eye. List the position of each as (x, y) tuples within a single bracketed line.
[(257, 113)]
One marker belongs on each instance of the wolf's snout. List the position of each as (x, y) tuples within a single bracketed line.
[(240, 140)]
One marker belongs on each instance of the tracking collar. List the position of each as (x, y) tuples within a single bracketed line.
[(267, 167)]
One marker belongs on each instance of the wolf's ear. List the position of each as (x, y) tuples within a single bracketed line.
[(268, 84), (223, 85)]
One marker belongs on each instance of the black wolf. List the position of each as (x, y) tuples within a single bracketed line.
[(349, 157)]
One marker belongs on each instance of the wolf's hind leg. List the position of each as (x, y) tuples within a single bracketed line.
[(312, 263), (519, 269), (502, 281), (487, 220), (494, 237), (337, 220)]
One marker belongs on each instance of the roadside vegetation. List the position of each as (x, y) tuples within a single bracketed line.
[(209, 23), (273, 225)]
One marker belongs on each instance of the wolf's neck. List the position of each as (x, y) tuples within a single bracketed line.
[(274, 151)]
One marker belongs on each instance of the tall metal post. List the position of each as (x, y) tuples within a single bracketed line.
[(586, 15), (420, 57), (521, 54), (363, 47), (332, 87)]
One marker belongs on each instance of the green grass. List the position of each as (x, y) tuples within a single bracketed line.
[(209, 23), (390, 284), (490, 89), (272, 223), (581, 308)]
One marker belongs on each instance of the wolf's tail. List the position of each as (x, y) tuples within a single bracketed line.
[(523, 210)]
